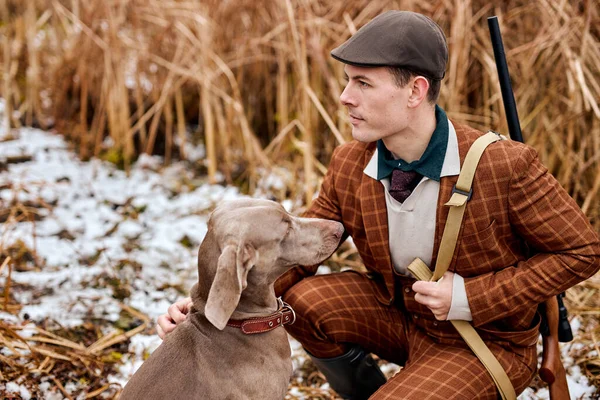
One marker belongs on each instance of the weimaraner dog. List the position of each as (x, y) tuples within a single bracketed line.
[(232, 346)]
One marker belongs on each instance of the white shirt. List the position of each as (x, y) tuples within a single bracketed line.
[(411, 224)]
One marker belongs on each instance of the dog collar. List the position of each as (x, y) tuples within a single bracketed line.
[(284, 315)]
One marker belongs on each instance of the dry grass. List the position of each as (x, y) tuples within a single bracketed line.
[(254, 82), (58, 355)]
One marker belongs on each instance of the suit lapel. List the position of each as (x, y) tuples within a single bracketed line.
[(375, 219), (446, 185)]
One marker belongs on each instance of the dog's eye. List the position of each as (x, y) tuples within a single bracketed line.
[(289, 230)]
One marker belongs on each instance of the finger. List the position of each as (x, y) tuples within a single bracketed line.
[(423, 299), (432, 303), (187, 305), (440, 316), (448, 274), (166, 323), (159, 330), (175, 313), (425, 288)]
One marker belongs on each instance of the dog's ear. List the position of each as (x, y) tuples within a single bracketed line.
[(230, 280)]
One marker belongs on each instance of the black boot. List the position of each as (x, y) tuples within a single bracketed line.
[(354, 375)]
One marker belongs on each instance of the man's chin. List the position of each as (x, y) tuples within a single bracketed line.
[(363, 137)]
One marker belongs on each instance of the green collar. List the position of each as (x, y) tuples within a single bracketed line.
[(430, 163)]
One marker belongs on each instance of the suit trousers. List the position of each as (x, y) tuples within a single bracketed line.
[(338, 311)]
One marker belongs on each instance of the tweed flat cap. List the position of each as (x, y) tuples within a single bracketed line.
[(398, 39)]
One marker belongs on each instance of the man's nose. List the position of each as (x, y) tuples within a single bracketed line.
[(346, 98)]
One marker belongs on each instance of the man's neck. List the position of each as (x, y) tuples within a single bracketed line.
[(411, 143)]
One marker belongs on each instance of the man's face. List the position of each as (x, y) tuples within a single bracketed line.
[(377, 106)]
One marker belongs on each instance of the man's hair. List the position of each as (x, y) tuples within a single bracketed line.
[(403, 75)]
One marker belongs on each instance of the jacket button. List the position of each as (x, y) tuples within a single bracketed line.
[(415, 316), (407, 289), (435, 323)]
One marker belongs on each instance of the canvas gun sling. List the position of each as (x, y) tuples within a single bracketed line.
[(461, 193)]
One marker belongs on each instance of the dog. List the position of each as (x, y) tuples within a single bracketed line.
[(232, 345)]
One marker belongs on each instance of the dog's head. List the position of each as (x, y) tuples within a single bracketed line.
[(258, 241)]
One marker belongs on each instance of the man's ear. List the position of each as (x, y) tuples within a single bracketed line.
[(230, 280), (420, 88)]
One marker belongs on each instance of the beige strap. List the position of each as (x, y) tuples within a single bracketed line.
[(458, 202), (461, 193), (422, 272)]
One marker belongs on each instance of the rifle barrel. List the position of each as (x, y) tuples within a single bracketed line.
[(508, 97)]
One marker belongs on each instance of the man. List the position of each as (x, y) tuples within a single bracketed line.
[(523, 239)]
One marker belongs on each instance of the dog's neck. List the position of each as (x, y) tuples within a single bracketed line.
[(256, 300)]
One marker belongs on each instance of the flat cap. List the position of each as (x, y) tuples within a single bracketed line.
[(398, 39)]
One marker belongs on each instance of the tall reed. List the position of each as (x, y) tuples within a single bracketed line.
[(257, 81)]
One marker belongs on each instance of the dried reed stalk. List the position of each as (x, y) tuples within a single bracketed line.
[(6, 92), (179, 110), (209, 132), (7, 282), (168, 131), (83, 127), (301, 63)]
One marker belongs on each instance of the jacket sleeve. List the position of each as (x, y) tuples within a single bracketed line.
[(565, 249), (325, 206)]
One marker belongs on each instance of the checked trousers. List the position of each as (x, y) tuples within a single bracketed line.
[(338, 311)]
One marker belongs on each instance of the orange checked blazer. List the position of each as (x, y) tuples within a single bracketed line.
[(523, 238)]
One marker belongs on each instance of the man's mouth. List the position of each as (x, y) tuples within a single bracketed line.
[(355, 118)]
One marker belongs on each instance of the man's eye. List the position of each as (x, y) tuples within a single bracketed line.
[(363, 84)]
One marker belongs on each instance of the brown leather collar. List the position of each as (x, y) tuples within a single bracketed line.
[(283, 316)]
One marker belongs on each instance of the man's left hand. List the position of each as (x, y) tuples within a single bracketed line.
[(437, 296)]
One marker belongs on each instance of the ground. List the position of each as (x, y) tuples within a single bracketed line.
[(97, 255)]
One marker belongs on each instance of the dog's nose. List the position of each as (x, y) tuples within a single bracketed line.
[(338, 230)]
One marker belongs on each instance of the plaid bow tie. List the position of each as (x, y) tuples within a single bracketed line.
[(402, 184)]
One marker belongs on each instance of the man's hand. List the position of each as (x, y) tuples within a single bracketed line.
[(176, 314), (437, 296)]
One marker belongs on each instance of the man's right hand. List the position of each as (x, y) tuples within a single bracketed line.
[(176, 314)]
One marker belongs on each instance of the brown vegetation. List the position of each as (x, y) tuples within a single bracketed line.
[(254, 82), (257, 81)]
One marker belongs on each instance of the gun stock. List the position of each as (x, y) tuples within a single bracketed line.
[(552, 371)]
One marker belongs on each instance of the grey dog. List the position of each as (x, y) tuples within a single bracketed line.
[(231, 346)]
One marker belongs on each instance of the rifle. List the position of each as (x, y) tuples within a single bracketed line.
[(555, 325)]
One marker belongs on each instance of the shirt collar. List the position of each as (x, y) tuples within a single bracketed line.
[(431, 162), (450, 166)]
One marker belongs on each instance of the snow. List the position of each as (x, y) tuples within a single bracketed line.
[(12, 387), (97, 211)]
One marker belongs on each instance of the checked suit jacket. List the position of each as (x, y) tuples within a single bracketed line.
[(523, 238)]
